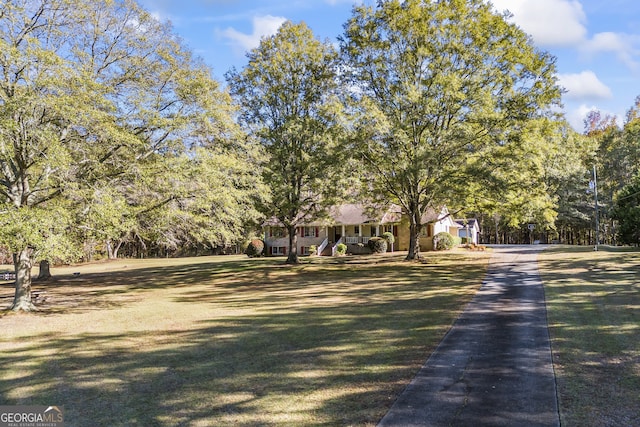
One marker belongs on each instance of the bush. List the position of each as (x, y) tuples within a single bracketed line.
[(255, 248), (443, 241), (377, 245), (341, 249), (313, 250), (389, 238)]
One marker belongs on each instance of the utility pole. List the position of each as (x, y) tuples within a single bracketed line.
[(595, 196)]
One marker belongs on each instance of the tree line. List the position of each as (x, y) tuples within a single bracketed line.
[(113, 136)]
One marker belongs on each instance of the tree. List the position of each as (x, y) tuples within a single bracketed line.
[(437, 83), (617, 158), (288, 95), (93, 94), (214, 203), (627, 212)]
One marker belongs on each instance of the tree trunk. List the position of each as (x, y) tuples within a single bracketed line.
[(23, 263), (414, 238), (292, 257), (112, 251), (45, 272)]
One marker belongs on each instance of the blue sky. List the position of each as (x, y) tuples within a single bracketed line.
[(596, 42)]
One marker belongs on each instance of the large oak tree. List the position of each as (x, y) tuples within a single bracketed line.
[(95, 97), (436, 84), (288, 94)]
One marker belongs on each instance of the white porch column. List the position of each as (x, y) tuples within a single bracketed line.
[(378, 230), (360, 230), (343, 232)]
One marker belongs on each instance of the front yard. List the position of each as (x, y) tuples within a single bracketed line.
[(238, 341), (593, 301), (232, 340)]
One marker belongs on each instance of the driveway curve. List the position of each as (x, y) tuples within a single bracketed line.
[(494, 366)]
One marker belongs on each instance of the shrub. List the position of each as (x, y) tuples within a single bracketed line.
[(341, 249), (443, 241), (389, 238), (255, 248), (377, 245), (313, 250)]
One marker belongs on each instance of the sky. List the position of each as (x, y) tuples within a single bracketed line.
[(596, 43)]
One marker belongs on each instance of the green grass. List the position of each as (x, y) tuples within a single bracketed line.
[(232, 340), (593, 301)]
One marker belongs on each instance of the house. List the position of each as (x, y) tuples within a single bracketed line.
[(354, 224), (436, 222), (469, 228)]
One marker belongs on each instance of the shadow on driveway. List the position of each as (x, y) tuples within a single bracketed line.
[(494, 367)]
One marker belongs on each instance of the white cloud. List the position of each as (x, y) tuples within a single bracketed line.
[(549, 22), (262, 26), (622, 46), (562, 23), (584, 86)]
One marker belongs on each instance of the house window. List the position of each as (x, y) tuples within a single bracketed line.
[(356, 229), (304, 250), (277, 232), (277, 250), (426, 230), (309, 232)]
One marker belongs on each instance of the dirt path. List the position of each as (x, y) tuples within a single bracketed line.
[(494, 367)]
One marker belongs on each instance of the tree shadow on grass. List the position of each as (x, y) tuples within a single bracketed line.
[(314, 346), (108, 289), (593, 300)]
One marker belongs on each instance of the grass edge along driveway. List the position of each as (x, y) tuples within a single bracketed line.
[(231, 340), (593, 303)]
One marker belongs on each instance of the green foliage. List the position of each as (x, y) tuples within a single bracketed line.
[(99, 104), (288, 94), (443, 241), (627, 212), (617, 161), (313, 250), (389, 237), (377, 245), (255, 248), (46, 229), (341, 249), (437, 85)]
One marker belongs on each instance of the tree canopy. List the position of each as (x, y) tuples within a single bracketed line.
[(437, 84), (96, 99), (288, 94)]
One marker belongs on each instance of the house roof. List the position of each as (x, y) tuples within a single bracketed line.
[(352, 214), (358, 213), (431, 216), (355, 213)]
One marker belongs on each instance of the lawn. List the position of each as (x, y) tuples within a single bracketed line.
[(231, 340), (593, 301)]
